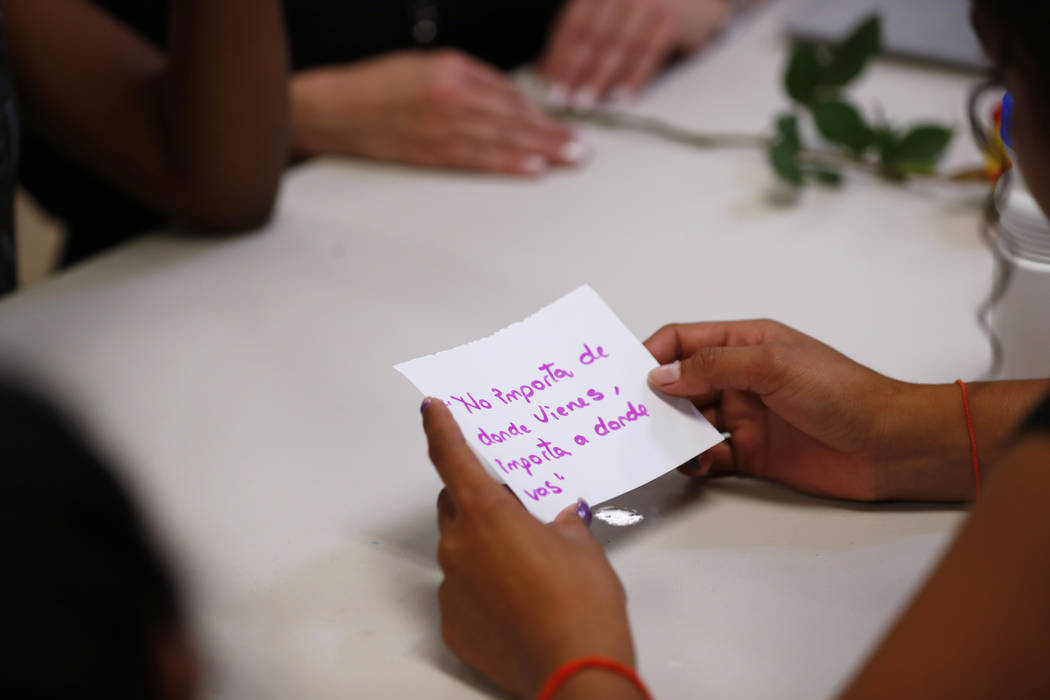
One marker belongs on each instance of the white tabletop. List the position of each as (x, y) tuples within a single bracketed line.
[(246, 388)]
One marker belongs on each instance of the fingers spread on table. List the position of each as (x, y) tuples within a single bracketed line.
[(615, 52), (569, 46), (496, 133), (486, 156), (661, 34), (598, 42), (553, 144)]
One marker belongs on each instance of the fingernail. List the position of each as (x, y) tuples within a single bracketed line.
[(622, 96), (584, 511), (666, 374), (426, 402), (534, 165), (557, 95), (586, 99), (575, 151)]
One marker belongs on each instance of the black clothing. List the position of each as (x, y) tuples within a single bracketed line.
[(505, 33), (9, 145), (83, 596)]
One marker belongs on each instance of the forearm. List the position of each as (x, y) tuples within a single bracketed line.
[(932, 420), (200, 134), (977, 629), (225, 106), (312, 131)]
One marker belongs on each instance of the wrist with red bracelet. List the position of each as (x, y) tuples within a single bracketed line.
[(570, 669), (973, 436)]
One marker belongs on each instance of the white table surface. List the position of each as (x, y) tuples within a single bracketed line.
[(246, 387)]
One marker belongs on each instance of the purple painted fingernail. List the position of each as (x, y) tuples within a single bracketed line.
[(584, 511), (426, 402)]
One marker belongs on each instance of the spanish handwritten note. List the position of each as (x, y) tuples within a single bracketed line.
[(559, 407)]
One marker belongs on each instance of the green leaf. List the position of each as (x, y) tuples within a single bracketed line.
[(841, 122), (916, 152), (829, 177), (925, 143), (787, 130), (849, 58), (785, 163), (803, 75), (886, 140), (892, 172)]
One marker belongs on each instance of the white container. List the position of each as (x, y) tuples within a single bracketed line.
[(1019, 310)]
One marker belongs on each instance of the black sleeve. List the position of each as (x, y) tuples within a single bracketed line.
[(504, 33), (9, 141), (98, 215), (83, 595)]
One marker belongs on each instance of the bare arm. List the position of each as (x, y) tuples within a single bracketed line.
[(939, 440), (978, 627), (805, 415), (200, 133)]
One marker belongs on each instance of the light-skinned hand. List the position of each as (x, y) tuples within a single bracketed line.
[(602, 48), (440, 109), (519, 598)]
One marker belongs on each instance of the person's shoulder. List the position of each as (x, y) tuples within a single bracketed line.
[(20, 407), (42, 452)]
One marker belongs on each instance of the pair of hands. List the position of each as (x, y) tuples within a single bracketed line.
[(520, 598), (611, 48), (445, 109)]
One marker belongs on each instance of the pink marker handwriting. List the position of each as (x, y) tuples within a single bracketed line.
[(605, 427), (524, 392), (589, 357), (547, 413), (489, 439), (550, 376), (548, 453), (548, 489), (471, 404)]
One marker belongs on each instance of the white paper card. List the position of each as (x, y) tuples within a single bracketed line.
[(559, 406)]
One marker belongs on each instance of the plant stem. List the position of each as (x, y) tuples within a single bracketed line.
[(657, 127), (612, 119)]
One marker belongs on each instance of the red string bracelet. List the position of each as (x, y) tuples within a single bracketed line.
[(570, 668), (973, 436)]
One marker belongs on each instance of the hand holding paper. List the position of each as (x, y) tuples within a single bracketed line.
[(559, 407), (550, 593), (805, 415)]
